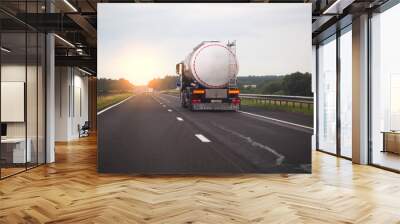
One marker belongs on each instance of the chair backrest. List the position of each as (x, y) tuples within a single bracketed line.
[(86, 125)]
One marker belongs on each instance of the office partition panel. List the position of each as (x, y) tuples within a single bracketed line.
[(15, 146)]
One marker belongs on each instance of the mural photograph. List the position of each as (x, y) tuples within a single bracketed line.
[(204, 88)]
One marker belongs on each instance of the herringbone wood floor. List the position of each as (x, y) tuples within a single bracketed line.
[(71, 191)]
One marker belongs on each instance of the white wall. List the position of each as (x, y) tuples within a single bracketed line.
[(62, 82), (71, 102), (33, 126), (12, 73)]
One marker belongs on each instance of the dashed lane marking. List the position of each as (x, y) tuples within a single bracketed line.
[(202, 138)]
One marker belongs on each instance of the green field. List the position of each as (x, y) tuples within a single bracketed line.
[(275, 106), (107, 100)]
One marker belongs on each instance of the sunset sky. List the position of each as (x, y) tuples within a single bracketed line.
[(141, 41)]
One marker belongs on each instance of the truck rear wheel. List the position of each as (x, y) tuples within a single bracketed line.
[(190, 107), (183, 100)]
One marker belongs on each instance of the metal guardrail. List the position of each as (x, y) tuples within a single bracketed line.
[(301, 101), (281, 100)]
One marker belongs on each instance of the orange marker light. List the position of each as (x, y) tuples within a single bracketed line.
[(234, 91), (199, 91)]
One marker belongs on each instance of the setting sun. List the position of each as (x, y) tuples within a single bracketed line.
[(138, 68)]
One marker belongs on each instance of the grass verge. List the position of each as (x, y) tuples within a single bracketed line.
[(283, 107), (171, 92), (106, 100)]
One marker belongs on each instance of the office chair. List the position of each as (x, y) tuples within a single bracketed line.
[(84, 130)]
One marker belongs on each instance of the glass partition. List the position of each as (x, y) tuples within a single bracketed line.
[(14, 144), (22, 88)]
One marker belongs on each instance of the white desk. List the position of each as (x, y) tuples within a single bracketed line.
[(19, 155)]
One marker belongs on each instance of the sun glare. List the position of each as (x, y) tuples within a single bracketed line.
[(139, 68)]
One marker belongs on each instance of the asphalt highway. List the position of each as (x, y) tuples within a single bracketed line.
[(152, 134)]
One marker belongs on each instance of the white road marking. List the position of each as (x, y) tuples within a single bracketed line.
[(202, 138), (277, 120), (179, 118), (158, 100), (279, 157), (112, 106)]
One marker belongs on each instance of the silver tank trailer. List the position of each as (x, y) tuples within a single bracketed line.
[(212, 64)]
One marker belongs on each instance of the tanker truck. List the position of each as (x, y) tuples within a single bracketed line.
[(207, 77)]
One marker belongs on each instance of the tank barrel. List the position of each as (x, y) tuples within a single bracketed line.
[(212, 64)]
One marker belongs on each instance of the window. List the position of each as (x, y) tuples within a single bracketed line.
[(385, 89), (327, 96), (346, 93)]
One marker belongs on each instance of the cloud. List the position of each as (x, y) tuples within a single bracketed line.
[(271, 38)]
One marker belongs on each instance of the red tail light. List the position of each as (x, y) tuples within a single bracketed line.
[(235, 101), (195, 101)]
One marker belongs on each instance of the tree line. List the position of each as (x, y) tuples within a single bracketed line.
[(105, 86), (294, 84), (168, 82)]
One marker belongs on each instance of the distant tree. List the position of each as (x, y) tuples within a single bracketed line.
[(260, 81), (272, 87), (256, 80), (113, 86), (297, 84), (168, 82)]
